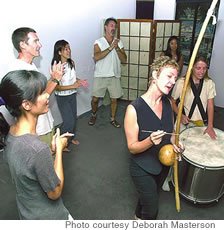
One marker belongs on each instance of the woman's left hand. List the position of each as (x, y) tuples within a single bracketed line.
[(84, 83), (178, 149), (53, 141), (210, 132)]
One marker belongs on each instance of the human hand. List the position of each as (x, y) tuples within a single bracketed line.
[(115, 43), (178, 149), (57, 70), (84, 83), (61, 140), (211, 132), (156, 137), (77, 84), (185, 119)]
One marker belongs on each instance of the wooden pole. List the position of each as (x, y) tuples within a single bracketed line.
[(201, 34)]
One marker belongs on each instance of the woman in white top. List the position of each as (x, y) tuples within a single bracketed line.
[(199, 99), (66, 89)]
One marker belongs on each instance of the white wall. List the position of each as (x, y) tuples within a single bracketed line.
[(216, 70), (164, 9), (78, 22)]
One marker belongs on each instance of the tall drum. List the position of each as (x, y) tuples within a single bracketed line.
[(201, 171)]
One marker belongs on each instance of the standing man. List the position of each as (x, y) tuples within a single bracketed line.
[(108, 54), (26, 42)]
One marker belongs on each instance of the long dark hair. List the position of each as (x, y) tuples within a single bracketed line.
[(168, 53), (59, 46), (4, 129), (15, 87)]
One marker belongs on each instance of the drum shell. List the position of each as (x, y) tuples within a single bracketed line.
[(198, 183)]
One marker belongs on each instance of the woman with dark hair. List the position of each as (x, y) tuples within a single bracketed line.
[(148, 124), (66, 90), (173, 51), (38, 181)]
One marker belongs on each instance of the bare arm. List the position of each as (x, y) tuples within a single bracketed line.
[(210, 129), (98, 54), (61, 143), (122, 55), (56, 71), (210, 112), (120, 52), (184, 118), (67, 87), (174, 106)]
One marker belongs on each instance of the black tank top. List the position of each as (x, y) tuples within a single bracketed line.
[(148, 120)]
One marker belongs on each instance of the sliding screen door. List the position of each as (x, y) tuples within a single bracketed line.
[(136, 36), (143, 41)]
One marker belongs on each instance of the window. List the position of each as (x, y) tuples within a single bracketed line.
[(192, 14)]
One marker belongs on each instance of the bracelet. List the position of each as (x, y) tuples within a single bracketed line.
[(55, 81), (151, 140), (109, 49)]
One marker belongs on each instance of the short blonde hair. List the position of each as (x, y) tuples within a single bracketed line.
[(159, 63)]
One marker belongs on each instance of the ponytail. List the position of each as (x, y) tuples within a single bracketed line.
[(4, 129)]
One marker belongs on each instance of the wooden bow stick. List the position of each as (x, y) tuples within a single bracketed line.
[(201, 34)]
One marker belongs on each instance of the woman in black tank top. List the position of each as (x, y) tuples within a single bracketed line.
[(151, 112)]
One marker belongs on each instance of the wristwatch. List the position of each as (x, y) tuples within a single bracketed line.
[(55, 81)]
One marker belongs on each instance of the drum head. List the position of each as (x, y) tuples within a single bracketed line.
[(201, 150)]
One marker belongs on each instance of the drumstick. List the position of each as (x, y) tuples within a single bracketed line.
[(198, 136), (149, 131)]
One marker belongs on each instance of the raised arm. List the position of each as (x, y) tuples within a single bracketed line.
[(61, 143), (98, 54), (56, 71), (120, 52)]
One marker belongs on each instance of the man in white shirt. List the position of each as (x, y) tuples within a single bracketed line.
[(26, 42), (108, 54)]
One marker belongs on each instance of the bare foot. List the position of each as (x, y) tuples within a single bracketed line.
[(75, 142), (66, 150)]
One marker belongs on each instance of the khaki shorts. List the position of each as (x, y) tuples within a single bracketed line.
[(47, 138), (102, 84)]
